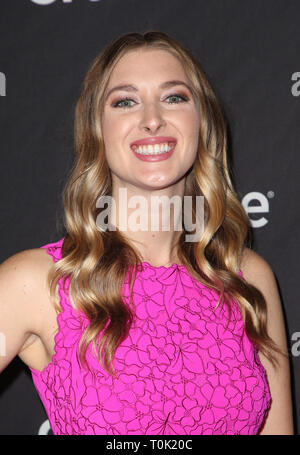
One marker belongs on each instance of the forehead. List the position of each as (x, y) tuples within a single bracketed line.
[(147, 63)]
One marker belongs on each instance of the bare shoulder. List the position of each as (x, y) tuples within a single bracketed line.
[(256, 269), (27, 268), (23, 281), (26, 258), (258, 272), (25, 308)]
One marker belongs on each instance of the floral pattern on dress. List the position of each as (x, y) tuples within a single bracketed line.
[(180, 371)]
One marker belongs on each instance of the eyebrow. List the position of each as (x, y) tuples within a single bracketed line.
[(133, 88)]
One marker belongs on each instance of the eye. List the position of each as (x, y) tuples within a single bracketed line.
[(183, 98), (122, 100), (125, 101)]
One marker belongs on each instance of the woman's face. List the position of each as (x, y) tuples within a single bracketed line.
[(153, 110)]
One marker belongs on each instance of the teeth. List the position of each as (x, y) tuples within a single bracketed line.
[(157, 149)]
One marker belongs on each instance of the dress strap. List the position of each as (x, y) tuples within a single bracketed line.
[(54, 250), (241, 273)]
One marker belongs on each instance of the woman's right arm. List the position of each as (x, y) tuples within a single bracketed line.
[(19, 317)]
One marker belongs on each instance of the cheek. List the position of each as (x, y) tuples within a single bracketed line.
[(194, 131), (192, 137), (114, 151), (190, 123), (192, 128), (115, 128), (110, 138), (194, 120)]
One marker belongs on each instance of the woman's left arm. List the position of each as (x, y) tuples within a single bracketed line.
[(279, 420)]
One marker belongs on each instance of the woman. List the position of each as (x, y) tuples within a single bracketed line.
[(154, 334)]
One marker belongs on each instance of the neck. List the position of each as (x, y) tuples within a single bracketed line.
[(150, 220)]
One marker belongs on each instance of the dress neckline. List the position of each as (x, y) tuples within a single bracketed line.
[(162, 267)]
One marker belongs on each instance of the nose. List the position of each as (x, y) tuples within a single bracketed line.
[(152, 118)]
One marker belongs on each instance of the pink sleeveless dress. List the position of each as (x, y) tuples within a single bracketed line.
[(180, 371)]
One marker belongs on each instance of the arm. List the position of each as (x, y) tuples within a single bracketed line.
[(279, 420), (19, 317)]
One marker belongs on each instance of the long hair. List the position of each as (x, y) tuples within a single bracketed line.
[(97, 262)]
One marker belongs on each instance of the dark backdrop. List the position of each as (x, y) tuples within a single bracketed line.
[(250, 50)]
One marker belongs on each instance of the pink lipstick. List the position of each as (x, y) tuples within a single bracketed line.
[(150, 155)]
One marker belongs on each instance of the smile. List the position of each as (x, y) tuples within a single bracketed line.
[(156, 149)]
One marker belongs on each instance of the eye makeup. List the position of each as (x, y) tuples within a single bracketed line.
[(183, 97)]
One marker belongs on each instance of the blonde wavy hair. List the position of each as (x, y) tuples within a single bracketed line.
[(97, 262)]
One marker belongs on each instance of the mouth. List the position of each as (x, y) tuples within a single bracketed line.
[(154, 149)]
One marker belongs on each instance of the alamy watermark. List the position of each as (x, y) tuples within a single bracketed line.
[(160, 210), (2, 84)]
